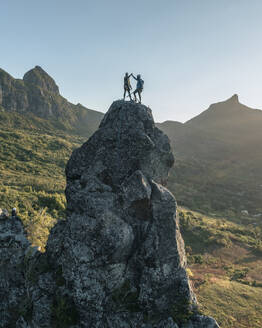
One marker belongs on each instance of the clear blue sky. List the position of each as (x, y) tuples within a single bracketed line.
[(190, 52)]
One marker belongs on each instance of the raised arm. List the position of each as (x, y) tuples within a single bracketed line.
[(134, 76)]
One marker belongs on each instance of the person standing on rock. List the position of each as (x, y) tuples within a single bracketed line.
[(139, 86), (127, 85), (13, 213)]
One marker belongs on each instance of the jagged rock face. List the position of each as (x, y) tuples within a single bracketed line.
[(13, 297), (38, 77), (43, 95), (38, 94), (127, 141), (118, 260), (13, 94)]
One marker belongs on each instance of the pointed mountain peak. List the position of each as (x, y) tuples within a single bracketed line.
[(230, 104), (233, 99), (40, 78)]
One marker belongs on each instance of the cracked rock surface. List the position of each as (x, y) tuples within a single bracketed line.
[(118, 261), (13, 246)]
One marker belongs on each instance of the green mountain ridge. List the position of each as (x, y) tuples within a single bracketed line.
[(219, 154), (37, 97)]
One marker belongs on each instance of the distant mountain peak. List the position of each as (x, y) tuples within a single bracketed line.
[(230, 104), (37, 76), (234, 98)]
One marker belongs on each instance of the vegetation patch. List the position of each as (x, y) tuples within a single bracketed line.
[(181, 311), (36, 267), (32, 162), (64, 312), (126, 298), (226, 277), (233, 304)]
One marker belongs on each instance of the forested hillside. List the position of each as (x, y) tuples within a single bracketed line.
[(219, 159)]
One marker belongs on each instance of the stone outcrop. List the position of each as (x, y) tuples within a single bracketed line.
[(14, 299), (38, 77), (118, 261), (13, 93), (36, 93)]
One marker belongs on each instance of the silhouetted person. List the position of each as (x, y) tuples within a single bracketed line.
[(139, 87), (127, 85), (13, 213)]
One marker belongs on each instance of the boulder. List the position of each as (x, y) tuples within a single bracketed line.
[(14, 299), (118, 260)]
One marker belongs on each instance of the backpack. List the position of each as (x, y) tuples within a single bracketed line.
[(140, 84)]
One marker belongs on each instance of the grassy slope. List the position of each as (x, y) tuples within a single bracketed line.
[(219, 159), (225, 259), (216, 187), (32, 163), (231, 303)]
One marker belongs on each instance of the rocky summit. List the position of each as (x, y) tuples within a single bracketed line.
[(118, 261), (38, 77), (37, 96)]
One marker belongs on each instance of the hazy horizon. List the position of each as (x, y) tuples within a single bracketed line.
[(190, 54)]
